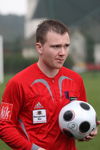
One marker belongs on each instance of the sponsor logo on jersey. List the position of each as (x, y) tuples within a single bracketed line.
[(73, 98), (39, 116), (38, 105), (5, 111), (68, 96)]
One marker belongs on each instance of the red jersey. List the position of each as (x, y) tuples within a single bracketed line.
[(30, 107)]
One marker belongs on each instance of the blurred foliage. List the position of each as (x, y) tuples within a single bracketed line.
[(69, 62), (15, 45), (15, 62), (11, 27), (90, 49)]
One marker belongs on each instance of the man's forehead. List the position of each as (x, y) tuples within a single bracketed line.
[(51, 32), (56, 37)]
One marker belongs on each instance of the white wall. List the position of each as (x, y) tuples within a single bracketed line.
[(78, 47), (31, 24), (97, 54)]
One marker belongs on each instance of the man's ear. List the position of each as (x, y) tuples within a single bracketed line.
[(39, 47)]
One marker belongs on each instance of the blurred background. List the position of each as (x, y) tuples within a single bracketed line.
[(18, 22)]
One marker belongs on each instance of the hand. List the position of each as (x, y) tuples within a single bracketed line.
[(98, 122), (92, 134)]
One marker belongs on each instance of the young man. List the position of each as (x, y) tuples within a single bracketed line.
[(34, 97)]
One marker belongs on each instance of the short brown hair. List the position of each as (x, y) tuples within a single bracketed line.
[(49, 25)]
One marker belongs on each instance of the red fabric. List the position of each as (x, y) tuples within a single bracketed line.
[(31, 90)]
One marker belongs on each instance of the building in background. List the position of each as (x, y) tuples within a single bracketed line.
[(78, 51), (70, 12), (97, 53)]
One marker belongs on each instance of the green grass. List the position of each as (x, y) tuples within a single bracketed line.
[(92, 81), (92, 85)]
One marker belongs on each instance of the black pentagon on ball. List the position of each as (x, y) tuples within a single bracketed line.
[(84, 127), (68, 115), (68, 133), (85, 106)]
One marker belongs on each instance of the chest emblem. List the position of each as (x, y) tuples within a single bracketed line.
[(39, 116)]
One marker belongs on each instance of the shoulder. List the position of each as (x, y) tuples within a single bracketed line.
[(71, 74), (23, 76)]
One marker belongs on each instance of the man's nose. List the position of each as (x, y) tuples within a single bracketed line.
[(62, 51)]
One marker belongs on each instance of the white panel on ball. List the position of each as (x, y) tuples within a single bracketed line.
[(77, 119)]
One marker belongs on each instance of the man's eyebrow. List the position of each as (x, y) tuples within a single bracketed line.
[(60, 45)]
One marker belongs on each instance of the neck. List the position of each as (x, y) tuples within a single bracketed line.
[(48, 71)]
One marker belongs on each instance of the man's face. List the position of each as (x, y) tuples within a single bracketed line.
[(54, 51)]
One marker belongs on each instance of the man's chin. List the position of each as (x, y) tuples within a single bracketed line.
[(58, 66)]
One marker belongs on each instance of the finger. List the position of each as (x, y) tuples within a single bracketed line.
[(89, 137), (98, 122), (94, 132), (85, 139)]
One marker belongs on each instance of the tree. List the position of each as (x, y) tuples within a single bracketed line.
[(90, 49)]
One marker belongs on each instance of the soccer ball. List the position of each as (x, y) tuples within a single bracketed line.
[(77, 119)]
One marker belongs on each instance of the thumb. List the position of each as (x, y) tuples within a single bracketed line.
[(98, 122)]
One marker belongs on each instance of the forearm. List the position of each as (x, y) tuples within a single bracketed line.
[(10, 135)]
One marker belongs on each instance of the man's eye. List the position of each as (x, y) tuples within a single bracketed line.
[(67, 45)]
